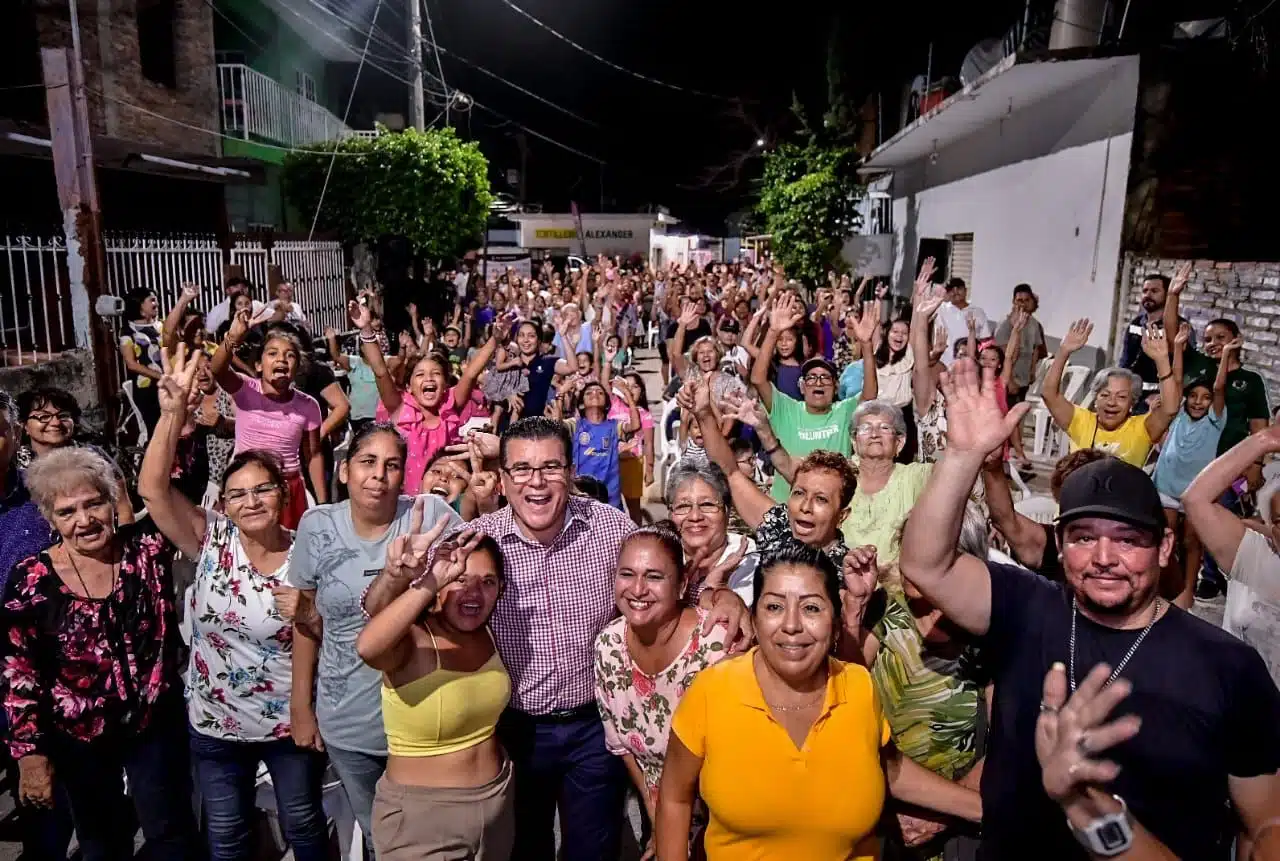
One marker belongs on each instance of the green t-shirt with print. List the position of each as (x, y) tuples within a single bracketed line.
[(1246, 396), (801, 431)]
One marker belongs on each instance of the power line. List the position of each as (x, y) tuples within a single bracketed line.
[(351, 99), (225, 17), (431, 33), (592, 54), (540, 135), (482, 70)]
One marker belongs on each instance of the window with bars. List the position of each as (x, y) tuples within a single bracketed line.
[(305, 85)]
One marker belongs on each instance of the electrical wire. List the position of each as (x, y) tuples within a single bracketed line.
[(482, 70), (431, 33), (351, 100), (225, 17), (539, 135), (337, 39), (624, 70)]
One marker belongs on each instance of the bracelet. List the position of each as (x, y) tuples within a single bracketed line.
[(368, 339), (776, 446), (1166, 376), (230, 344)]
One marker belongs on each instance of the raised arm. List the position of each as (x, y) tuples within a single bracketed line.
[(394, 578), (1173, 297), (957, 584), (786, 313), (1026, 538), (385, 643), (171, 331), (388, 391), (1156, 345), (739, 407), (220, 367), (675, 350), (1221, 531), (1060, 408), (339, 409), (475, 366), (926, 300), (751, 502), (335, 355), (865, 330), (181, 521)]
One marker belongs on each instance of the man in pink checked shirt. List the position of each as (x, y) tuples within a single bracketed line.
[(561, 552)]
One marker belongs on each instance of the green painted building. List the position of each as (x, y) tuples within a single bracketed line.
[(277, 88)]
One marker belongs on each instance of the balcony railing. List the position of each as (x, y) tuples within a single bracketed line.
[(255, 107)]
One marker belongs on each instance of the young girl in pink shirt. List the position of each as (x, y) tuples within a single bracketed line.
[(431, 414), (271, 414)]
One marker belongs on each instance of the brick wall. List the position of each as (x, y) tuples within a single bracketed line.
[(109, 46), (1248, 293)]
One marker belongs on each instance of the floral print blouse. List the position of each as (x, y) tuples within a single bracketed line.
[(85, 667), (241, 649), (636, 707)]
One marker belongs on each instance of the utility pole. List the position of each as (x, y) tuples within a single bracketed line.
[(73, 169), (417, 105)]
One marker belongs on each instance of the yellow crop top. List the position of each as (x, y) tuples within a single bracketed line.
[(445, 711)]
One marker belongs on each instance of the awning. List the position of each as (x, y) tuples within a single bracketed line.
[(1017, 82)]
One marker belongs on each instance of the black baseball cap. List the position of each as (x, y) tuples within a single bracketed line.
[(729, 324), (1113, 490), (819, 362)]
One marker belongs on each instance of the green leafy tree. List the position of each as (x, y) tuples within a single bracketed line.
[(429, 187), (809, 201)]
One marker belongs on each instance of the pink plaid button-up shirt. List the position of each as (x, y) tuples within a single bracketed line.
[(557, 599)]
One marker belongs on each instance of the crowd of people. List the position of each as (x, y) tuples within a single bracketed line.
[(429, 569)]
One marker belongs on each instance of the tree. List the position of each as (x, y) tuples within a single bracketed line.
[(809, 200), (428, 187)]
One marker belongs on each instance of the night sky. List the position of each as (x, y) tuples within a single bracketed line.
[(659, 145)]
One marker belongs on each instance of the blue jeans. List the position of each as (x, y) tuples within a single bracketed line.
[(359, 773), (45, 832), (227, 775), (564, 763), (159, 769)]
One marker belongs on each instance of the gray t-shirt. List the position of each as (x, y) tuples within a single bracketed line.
[(1032, 337), (330, 558)]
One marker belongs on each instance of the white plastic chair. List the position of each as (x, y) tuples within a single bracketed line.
[(133, 413), (1024, 492), (1040, 508), (337, 811), (652, 335), (668, 444), (1046, 434)]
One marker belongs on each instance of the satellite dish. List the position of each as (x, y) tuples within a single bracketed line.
[(981, 59)]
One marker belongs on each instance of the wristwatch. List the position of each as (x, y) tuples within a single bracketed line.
[(1108, 835)]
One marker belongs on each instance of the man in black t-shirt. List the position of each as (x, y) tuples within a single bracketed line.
[(1209, 711)]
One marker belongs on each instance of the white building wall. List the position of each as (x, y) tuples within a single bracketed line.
[(1043, 193)]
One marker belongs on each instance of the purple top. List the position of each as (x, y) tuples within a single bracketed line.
[(23, 532)]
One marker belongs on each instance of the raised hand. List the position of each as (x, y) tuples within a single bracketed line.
[(1179, 282), (786, 313), (407, 555), (177, 381), (716, 574), (361, 316), (862, 288), (860, 575), (1184, 336), (1154, 342), (1071, 732), (1077, 336), (924, 280), (1235, 345), (939, 345), (864, 330), (975, 424), (239, 325), (747, 410), (929, 301), (482, 482), (450, 562), (190, 293), (1019, 320)]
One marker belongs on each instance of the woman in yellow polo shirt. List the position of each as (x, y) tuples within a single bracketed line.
[(1109, 426), (787, 744)]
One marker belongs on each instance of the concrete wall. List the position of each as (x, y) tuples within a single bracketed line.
[(1248, 293), (109, 45), (72, 370), (1043, 192)]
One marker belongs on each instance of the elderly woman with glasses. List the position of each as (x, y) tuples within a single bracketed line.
[(887, 490), (94, 664), (700, 504), (49, 418), (240, 675)]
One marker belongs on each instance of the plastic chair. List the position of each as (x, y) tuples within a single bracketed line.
[(1041, 508), (652, 335), (1024, 492), (1046, 435), (132, 413), (668, 444), (337, 811)]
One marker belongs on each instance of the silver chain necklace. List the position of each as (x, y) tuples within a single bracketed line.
[(1115, 674)]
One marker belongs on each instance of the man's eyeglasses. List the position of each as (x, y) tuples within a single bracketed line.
[(50, 418), (707, 508), (242, 493), (522, 473), (818, 379), (869, 429)]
